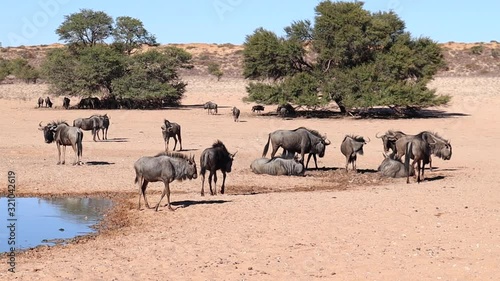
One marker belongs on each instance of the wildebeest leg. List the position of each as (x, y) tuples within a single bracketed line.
[(93, 133), (64, 154), (180, 140), (58, 153), (202, 184), (76, 154), (143, 184), (210, 182), (166, 144), (315, 161), (418, 171), (275, 149), (175, 144), (346, 163), (223, 182), (215, 184), (166, 191), (430, 163), (354, 164)]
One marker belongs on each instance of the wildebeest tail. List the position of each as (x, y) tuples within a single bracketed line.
[(266, 147), (203, 164), (408, 155), (79, 140)]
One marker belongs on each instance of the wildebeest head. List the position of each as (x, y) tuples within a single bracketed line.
[(192, 172), (320, 146), (229, 162), (49, 131), (388, 140)]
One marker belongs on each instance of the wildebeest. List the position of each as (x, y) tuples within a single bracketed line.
[(420, 147), (389, 140), (277, 166), (40, 102), (257, 108), (236, 114), (93, 124), (66, 101), (165, 167), (171, 130), (103, 124), (300, 140), (48, 102), (439, 146), (285, 110), (62, 134), (210, 107), (84, 103), (393, 168), (215, 158), (95, 102), (352, 146)]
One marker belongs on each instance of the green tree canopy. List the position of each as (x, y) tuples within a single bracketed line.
[(350, 56), (130, 34), (86, 28)]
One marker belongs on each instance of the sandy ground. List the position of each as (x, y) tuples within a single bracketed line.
[(326, 225)]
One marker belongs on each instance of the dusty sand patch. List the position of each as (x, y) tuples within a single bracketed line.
[(345, 229)]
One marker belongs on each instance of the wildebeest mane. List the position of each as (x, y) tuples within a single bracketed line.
[(217, 144), (173, 155), (356, 138), (314, 132), (57, 123)]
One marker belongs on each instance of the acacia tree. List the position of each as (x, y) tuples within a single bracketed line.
[(86, 28), (350, 56), (130, 33)]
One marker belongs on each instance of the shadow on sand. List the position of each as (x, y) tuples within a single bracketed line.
[(116, 140), (187, 203), (98, 163)]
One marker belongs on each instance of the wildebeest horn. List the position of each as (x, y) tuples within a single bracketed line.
[(378, 136), (369, 140), (232, 155), (40, 124), (327, 141)]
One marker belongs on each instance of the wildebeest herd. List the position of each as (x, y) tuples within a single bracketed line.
[(169, 166)]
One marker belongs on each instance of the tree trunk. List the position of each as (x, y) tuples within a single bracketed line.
[(341, 106)]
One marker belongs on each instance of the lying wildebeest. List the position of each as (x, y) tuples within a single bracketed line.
[(393, 168), (62, 134), (165, 167), (285, 110), (215, 158), (420, 147), (300, 140), (93, 124), (103, 124), (48, 102), (352, 146), (277, 166), (66, 101), (236, 114), (171, 130), (258, 108), (439, 146), (211, 107), (40, 102)]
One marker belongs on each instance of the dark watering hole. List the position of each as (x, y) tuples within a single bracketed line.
[(49, 221)]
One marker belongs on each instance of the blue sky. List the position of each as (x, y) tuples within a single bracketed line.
[(229, 21)]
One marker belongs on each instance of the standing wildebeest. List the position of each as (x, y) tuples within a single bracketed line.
[(389, 140), (171, 130), (277, 167), (40, 102), (236, 114), (439, 146), (352, 146), (258, 108), (211, 107), (66, 101), (300, 140), (393, 168), (215, 158), (103, 124), (62, 134), (165, 167), (48, 102), (285, 110), (93, 124), (420, 147)]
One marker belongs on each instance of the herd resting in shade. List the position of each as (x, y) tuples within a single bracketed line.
[(169, 166)]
